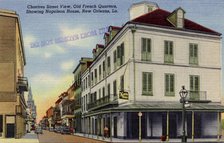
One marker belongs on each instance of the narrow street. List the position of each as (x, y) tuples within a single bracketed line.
[(52, 137)]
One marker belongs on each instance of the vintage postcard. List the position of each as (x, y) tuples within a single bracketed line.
[(100, 71)]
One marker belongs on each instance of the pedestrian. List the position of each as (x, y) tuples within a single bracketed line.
[(106, 132)]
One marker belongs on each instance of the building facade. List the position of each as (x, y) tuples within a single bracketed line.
[(49, 115), (32, 115), (142, 68), (84, 63), (13, 82)]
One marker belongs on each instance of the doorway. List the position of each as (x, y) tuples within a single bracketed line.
[(10, 130)]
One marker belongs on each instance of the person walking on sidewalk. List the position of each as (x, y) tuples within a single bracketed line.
[(106, 132)]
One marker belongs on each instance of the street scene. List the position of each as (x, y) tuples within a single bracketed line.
[(111, 72)]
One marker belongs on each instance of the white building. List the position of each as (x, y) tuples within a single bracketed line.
[(145, 63)]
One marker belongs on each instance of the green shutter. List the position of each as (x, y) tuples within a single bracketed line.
[(168, 52), (147, 83), (146, 49), (193, 54), (169, 85)]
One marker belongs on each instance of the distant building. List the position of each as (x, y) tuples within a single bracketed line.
[(13, 82), (49, 115), (142, 68), (84, 63), (31, 105)]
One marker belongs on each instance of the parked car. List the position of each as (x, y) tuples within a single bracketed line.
[(51, 129), (65, 130), (38, 130), (57, 129)]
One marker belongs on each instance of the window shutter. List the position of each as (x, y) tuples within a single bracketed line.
[(143, 45), (149, 45), (149, 82)]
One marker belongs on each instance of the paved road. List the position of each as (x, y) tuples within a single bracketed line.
[(52, 137)]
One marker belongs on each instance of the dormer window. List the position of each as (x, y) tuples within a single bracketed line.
[(150, 8), (176, 18)]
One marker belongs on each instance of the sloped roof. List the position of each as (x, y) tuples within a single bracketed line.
[(158, 17)]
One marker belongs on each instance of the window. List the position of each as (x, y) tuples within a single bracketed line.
[(108, 89), (100, 72), (146, 49), (95, 79), (168, 52), (194, 87), (86, 101), (103, 91), (120, 54), (194, 83), (122, 83), (89, 83), (115, 88), (1, 123), (86, 83), (91, 78), (115, 60), (108, 65), (169, 85), (99, 93), (147, 83), (193, 54), (95, 96), (83, 102), (104, 69)]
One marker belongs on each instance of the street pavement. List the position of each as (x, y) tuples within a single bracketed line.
[(52, 137)]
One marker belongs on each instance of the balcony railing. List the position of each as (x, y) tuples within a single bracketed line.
[(22, 84), (102, 101), (75, 105), (67, 113), (197, 95)]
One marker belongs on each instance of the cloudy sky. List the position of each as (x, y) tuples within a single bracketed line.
[(51, 57)]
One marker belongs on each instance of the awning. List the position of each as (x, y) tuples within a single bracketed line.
[(160, 107)]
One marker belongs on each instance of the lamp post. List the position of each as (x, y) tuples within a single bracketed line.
[(183, 94), (140, 127)]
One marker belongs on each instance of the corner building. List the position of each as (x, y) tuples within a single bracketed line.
[(13, 83), (142, 68)]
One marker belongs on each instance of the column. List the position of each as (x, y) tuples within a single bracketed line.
[(110, 126), (167, 125), (218, 125), (192, 128)]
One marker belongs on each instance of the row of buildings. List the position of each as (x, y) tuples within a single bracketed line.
[(137, 75), (14, 112)]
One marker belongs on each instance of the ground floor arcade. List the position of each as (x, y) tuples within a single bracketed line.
[(125, 123)]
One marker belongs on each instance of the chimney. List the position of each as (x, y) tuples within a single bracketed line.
[(141, 8)]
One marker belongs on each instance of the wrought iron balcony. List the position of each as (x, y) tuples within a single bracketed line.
[(197, 96), (22, 84), (106, 100), (67, 113)]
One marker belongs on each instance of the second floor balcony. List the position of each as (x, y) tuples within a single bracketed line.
[(197, 96), (104, 101), (67, 113), (22, 84)]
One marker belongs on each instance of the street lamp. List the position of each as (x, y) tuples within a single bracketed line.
[(140, 127), (183, 94)]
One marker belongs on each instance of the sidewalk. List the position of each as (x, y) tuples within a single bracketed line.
[(28, 138), (116, 140)]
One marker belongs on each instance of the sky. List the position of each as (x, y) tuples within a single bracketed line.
[(54, 43)]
